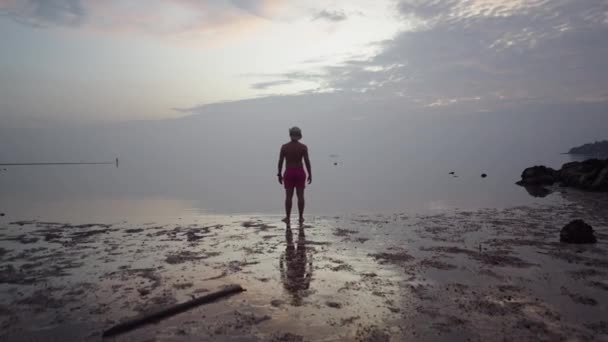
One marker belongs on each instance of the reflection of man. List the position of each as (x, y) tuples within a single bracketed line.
[(293, 153), (296, 269)]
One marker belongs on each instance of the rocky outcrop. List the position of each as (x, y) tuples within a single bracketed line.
[(538, 175), (577, 231), (598, 148), (590, 175)]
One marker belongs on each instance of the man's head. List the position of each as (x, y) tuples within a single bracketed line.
[(295, 133)]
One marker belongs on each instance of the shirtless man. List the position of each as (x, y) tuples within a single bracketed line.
[(294, 178)]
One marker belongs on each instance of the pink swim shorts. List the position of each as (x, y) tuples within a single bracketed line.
[(294, 177)]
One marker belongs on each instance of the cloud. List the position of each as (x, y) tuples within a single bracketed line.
[(453, 52), (483, 53), (458, 10), (41, 13), (169, 17), (269, 84), (334, 16), (255, 7), (426, 9)]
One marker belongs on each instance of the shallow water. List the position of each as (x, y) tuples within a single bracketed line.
[(227, 164), (92, 192)]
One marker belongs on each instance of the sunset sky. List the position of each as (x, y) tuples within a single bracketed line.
[(133, 59)]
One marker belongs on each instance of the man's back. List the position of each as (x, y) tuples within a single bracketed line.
[(294, 152)]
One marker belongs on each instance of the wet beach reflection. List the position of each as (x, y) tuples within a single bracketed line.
[(296, 266)]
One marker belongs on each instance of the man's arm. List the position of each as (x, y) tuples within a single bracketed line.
[(280, 166), (307, 162)]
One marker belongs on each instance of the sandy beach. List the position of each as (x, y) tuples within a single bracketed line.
[(485, 275)]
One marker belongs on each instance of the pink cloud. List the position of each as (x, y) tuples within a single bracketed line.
[(172, 19)]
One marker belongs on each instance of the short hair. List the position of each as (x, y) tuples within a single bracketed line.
[(295, 132)]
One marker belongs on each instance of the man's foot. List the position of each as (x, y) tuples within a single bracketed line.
[(286, 220), (301, 220)]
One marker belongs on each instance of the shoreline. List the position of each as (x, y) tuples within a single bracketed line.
[(480, 274)]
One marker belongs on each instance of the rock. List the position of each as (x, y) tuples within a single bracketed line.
[(538, 175), (335, 164), (590, 175), (537, 191), (451, 172), (1, 214), (334, 305), (483, 175), (587, 175), (577, 231), (601, 181)]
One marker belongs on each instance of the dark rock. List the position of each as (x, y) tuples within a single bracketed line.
[(483, 175), (601, 181), (1, 214), (334, 305), (537, 191), (335, 164), (538, 175), (577, 231), (591, 174), (451, 172)]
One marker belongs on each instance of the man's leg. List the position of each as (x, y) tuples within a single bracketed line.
[(300, 194), (288, 197)]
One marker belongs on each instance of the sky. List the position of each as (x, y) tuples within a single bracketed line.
[(120, 60)]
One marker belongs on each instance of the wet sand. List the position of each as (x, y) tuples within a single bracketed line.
[(485, 275)]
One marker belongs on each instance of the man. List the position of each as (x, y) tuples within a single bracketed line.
[(294, 178)]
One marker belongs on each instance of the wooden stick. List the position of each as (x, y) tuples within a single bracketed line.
[(170, 311)]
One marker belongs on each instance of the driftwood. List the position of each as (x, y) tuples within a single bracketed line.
[(170, 311)]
